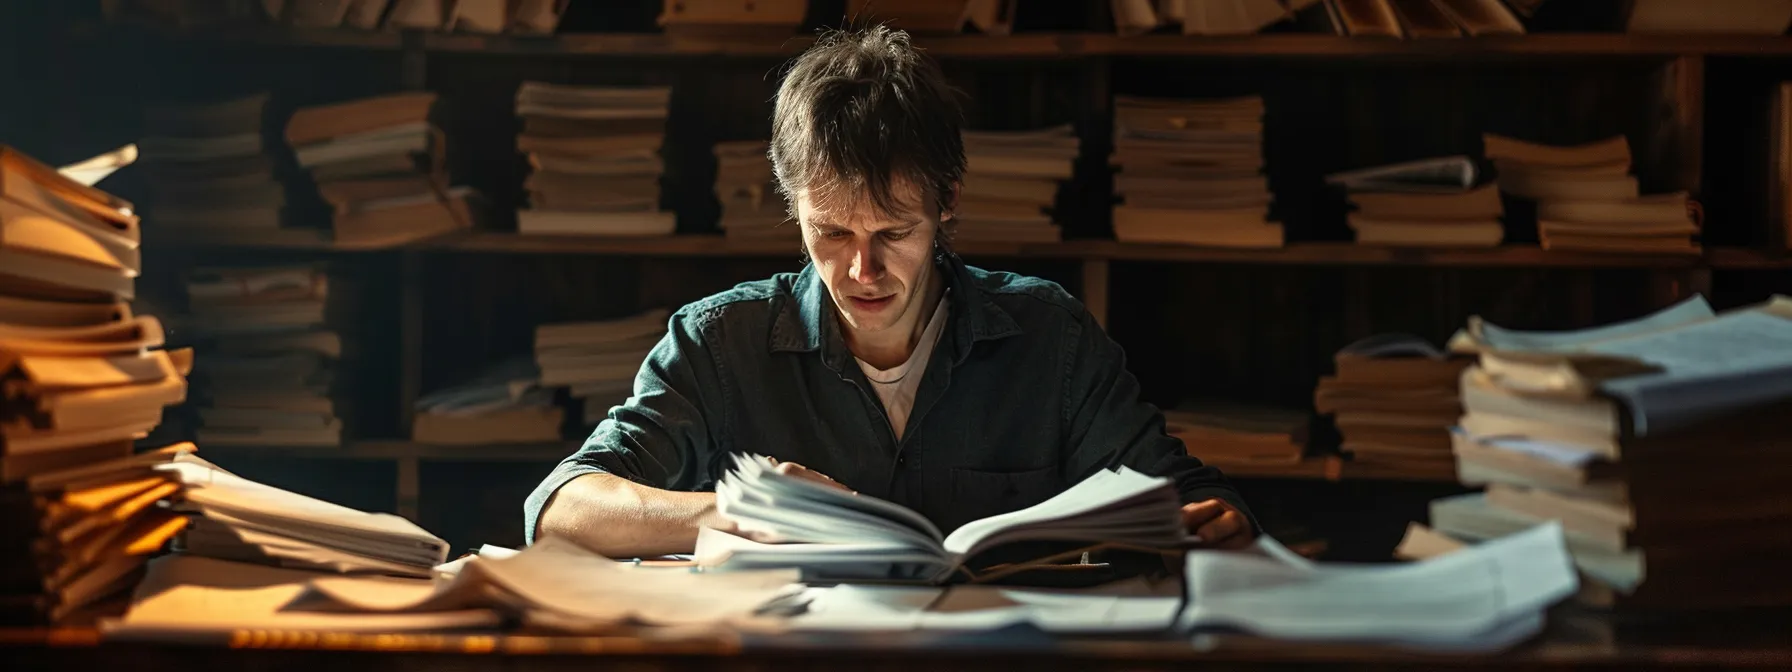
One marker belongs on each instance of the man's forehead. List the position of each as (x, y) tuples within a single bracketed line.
[(844, 206)]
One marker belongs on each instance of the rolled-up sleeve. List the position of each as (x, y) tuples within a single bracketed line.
[(662, 435), (1110, 426)]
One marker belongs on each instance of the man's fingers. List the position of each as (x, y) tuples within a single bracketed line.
[(1225, 531), (800, 471), (1200, 513)]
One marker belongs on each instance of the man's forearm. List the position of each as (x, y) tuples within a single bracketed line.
[(623, 519)]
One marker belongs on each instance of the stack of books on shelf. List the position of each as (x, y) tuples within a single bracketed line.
[(1394, 398), (724, 18), (990, 17), (597, 361), (1191, 173), (1425, 203), (1423, 19), (1011, 183), (1242, 440), (270, 364), (535, 17), (503, 404), (233, 518), (594, 154), (1664, 462), (1588, 200), (378, 166), (208, 169), (752, 205), (1759, 17), (1203, 17), (84, 379)]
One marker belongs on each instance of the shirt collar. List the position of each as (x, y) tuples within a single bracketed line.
[(808, 324)]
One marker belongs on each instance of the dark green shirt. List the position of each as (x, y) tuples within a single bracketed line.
[(1024, 396)]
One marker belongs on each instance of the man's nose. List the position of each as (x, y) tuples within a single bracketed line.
[(867, 262)]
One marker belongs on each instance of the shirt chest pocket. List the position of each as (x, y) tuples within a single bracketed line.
[(979, 493)]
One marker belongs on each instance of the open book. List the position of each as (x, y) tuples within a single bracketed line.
[(785, 521)]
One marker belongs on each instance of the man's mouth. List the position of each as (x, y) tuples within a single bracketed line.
[(872, 305)]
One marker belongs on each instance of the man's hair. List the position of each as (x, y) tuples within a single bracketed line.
[(861, 110)]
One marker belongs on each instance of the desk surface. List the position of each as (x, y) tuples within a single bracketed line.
[(1575, 640)]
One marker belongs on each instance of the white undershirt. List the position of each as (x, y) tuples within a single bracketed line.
[(895, 387)]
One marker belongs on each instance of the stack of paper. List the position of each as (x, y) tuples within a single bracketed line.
[(787, 521), (234, 518), (709, 18), (209, 169), (598, 361), (1394, 400), (1010, 183), (466, 16), (1588, 200), (1226, 435), (1482, 599), (1191, 173), (503, 404), (1133, 605), (595, 155), (379, 166), (81, 384), (271, 361), (1203, 17), (752, 205), (1426, 203), (1653, 450)]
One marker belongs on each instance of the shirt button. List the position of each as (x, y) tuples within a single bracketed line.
[(901, 461)]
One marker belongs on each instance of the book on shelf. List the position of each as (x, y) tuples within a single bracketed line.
[(1021, 172), (378, 166), (1180, 165), (1734, 17), (723, 18), (597, 361), (1587, 200), (1656, 457), (594, 154), (1779, 169), (1199, 17), (1431, 202), (502, 403), (1225, 434), (829, 533)]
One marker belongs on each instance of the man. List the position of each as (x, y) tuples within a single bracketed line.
[(886, 363)]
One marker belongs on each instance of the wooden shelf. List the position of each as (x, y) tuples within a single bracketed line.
[(1742, 258), (1021, 46), (376, 451)]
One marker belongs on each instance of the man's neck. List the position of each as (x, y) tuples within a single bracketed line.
[(893, 347)]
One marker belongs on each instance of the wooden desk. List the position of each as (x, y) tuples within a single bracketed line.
[(1576, 640)]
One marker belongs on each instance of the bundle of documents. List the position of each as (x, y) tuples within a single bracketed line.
[(1203, 17), (271, 359), (503, 404), (209, 169), (82, 382), (1425, 203), (1588, 200), (378, 165), (1191, 173), (726, 18), (470, 16), (752, 205), (234, 518), (594, 152), (1230, 435), (788, 521), (1657, 443), (1394, 399), (991, 17), (1010, 183), (598, 361)]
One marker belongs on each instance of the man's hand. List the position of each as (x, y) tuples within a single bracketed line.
[(1218, 524), (811, 475)]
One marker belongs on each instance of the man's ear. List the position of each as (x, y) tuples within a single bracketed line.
[(949, 207)]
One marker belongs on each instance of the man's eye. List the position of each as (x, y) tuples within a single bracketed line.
[(838, 235), (894, 235)]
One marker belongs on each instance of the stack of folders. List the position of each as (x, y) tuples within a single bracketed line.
[(271, 360), (597, 361), (830, 533), (594, 152), (1588, 200), (1191, 173), (378, 165), (752, 205), (1663, 460), (1425, 203), (503, 404), (528, 17), (233, 518), (83, 381), (1011, 183), (1394, 399), (209, 169), (1240, 438)]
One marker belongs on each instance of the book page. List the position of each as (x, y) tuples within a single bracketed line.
[(1685, 312), (1103, 489), (1731, 362)]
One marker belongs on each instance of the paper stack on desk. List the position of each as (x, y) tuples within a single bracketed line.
[(80, 382), (1658, 443), (1011, 182), (786, 521), (597, 361), (239, 519), (594, 152)]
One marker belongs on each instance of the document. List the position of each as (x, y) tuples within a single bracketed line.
[(1126, 606), (1482, 598), (1500, 338)]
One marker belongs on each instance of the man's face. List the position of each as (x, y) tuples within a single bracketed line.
[(875, 265)]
